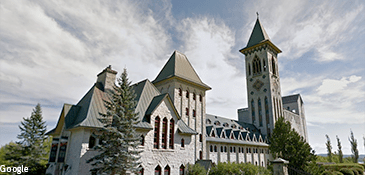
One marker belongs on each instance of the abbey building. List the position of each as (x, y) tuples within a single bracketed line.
[(174, 126)]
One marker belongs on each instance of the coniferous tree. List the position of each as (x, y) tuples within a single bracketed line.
[(354, 150), (340, 154), (119, 151), (298, 152), (31, 150), (329, 149)]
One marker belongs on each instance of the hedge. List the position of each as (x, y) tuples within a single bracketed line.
[(339, 166)]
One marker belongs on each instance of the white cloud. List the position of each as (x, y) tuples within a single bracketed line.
[(207, 44), (52, 48), (330, 86)]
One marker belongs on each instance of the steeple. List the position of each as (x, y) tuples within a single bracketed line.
[(259, 37), (258, 34)]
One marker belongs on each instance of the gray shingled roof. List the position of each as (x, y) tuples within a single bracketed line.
[(291, 99), (258, 34), (185, 129), (179, 66)]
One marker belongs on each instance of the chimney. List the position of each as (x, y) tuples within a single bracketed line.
[(107, 77)]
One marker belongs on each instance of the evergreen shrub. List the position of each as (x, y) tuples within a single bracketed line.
[(346, 171)]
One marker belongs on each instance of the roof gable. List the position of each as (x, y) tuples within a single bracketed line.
[(179, 66)]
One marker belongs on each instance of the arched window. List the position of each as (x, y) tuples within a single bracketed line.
[(253, 111), (225, 149), (141, 171), (164, 133), (92, 141), (167, 170), (156, 133), (200, 138), (180, 92), (260, 112), (194, 96), (158, 170), (187, 94), (201, 155), (208, 121), (182, 143), (267, 114), (172, 134), (142, 140), (222, 149), (200, 97), (273, 65), (182, 170), (249, 69), (256, 64), (211, 148)]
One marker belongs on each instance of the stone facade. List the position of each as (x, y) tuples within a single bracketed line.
[(174, 126)]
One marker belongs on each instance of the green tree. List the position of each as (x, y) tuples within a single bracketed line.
[(119, 151), (298, 152), (354, 150), (329, 149), (32, 149), (340, 154), (195, 169)]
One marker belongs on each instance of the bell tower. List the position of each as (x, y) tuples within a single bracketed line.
[(263, 81)]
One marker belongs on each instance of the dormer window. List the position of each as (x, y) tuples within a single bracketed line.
[(217, 123), (233, 126), (225, 124)]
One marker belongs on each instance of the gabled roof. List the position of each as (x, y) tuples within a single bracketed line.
[(291, 99), (61, 120), (258, 34), (179, 66)]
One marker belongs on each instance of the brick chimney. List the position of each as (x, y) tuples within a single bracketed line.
[(107, 77)]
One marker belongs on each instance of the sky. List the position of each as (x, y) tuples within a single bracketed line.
[(51, 52)]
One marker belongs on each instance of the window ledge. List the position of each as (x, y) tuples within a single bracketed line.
[(163, 150)]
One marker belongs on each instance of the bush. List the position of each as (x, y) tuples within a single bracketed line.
[(346, 171), (337, 167), (196, 169), (357, 171), (326, 172), (337, 173)]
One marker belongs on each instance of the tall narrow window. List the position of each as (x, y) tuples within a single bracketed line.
[(194, 96), (164, 133), (264, 64), (215, 148), (187, 111), (158, 170), (171, 136), (249, 69), (211, 148), (187, 94), (275, 113), (142, 140), (201, 155), (200, 138), (256, 64), (194, 113), (92, 141), (267, 111), (182, 170), (260, 112), (157, 133), (182, 143), (200, 98), (253, 111), (167, 170), (180, 92), (273, 66)]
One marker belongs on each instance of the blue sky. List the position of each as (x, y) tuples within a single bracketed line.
[(51, 52)]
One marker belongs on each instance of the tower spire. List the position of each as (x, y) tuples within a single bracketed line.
[(257, 13)]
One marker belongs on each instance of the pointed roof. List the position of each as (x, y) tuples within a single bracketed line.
[(259, 37), (258, 34), (178, 66)]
